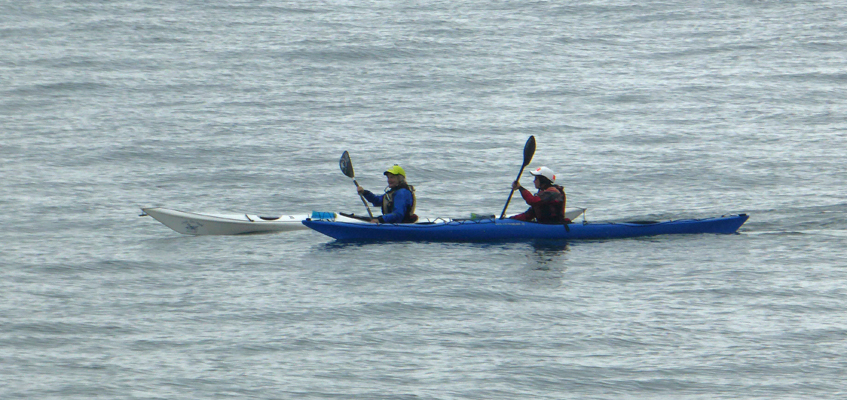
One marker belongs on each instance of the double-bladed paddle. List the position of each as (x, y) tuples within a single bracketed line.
[(347, 168), (528, 152)]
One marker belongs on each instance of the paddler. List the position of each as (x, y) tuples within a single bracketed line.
[(398, 202), (547, 206)]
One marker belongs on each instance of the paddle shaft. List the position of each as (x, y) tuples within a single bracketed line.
[(528, 152), (347, 168), (503, 214), (365, 202)]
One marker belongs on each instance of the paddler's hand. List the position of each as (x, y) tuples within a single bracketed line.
[(360, 189), (516, 185), (374, 221)]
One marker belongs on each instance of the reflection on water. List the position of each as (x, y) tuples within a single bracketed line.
[(545, 265), (548, 254), (336, 245), (541, 255)]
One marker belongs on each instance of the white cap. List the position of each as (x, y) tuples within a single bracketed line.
[(545, 172)]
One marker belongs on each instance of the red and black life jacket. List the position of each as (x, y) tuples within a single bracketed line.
[(553, 211)]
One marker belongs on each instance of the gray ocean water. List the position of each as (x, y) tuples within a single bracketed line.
[(659, 110)]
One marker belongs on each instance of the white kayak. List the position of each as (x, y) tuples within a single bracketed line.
[(189, 223)]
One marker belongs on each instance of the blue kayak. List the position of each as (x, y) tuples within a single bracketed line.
[(505, 230)]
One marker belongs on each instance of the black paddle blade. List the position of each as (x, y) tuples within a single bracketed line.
[(347, 165), (528, 150)]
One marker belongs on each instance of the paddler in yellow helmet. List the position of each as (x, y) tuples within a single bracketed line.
[(398, 201)]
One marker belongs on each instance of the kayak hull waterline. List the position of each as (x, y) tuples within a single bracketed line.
[(191, 223), (506, 230)]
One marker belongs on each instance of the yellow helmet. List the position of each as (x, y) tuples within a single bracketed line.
[(394, 170)]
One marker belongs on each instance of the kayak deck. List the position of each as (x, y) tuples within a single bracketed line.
[(500, 230)]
